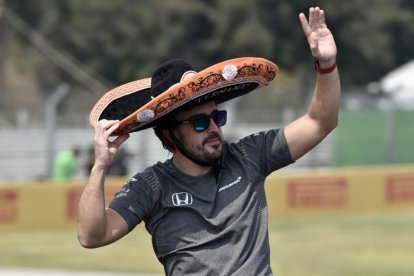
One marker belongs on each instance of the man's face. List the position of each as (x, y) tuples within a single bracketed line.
[(204, 145)]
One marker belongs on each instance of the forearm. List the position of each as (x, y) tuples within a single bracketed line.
[(324, 107), (98, 226), (91, 210), (322, 116)]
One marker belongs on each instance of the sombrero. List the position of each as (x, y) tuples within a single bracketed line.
[(174, 85)]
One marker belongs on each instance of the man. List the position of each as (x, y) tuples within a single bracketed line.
[(65, 164), (206, 207)]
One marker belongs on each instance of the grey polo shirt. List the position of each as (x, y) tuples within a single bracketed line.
[(214, 224)]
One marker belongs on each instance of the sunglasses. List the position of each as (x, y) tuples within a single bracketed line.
[(201, 122)]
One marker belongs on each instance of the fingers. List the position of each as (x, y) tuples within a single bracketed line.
[(316, 19), (322, 17), (313, 16), (305, 25), (105, 149), (104, 128), (120, 139)]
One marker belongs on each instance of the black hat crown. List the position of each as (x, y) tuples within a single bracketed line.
[(168, 74)]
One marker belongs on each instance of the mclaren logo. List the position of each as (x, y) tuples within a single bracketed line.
[(182, 199)]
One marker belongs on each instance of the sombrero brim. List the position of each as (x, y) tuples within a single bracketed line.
[(121, 101), (133, 106)]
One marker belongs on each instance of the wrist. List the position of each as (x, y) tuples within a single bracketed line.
[(99, 168), (325, 67)]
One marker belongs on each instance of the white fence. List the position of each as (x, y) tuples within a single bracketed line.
[(24, 152)]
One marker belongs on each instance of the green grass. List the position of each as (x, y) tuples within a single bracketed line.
[(60, 249), (351, 245), (379, 245)]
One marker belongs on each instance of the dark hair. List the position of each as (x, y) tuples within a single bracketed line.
[(166, 75), (159, 131), (166, 143)]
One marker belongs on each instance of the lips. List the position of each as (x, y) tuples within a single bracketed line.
[(213, 139), (213, 142)]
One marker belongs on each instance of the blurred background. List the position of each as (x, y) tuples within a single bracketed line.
[(58, 57)]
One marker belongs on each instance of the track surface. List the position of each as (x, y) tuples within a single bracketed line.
[(53, 272)]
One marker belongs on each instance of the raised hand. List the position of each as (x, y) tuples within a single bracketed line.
[(320, 39)]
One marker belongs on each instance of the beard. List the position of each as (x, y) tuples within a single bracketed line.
[(208, 153)]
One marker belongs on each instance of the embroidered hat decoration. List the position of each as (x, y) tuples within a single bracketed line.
[(174, 85)]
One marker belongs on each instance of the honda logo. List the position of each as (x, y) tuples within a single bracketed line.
[(182, 199)]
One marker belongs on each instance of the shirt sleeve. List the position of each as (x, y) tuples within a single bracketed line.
[(133, 201), (268, 150), (280, 153)]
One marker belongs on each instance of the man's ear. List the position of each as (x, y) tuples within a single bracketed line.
[(167, 134)]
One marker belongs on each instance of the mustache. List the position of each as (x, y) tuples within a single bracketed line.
[(212, 136)]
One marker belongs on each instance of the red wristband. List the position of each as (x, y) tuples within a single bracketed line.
[(324, 70)]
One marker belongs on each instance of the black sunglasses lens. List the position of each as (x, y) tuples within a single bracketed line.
[(220, 117), (200, 122)]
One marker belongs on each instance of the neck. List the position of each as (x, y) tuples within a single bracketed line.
[(187, 166)]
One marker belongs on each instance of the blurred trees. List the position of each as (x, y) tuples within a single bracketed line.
[(123, 40)]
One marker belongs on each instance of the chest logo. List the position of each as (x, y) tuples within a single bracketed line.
[(230, 184), (182, 199)]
